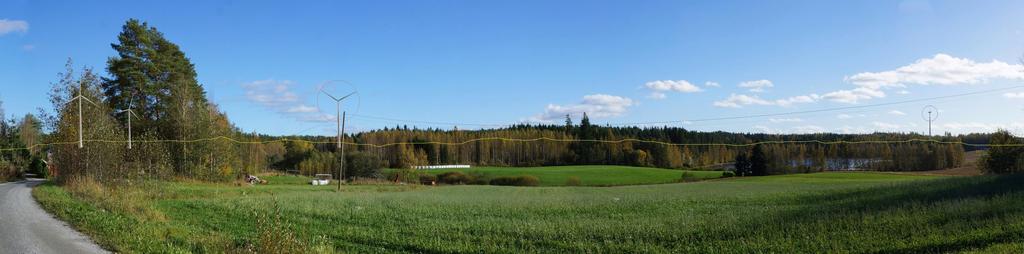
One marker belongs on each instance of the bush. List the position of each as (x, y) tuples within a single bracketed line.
[(688, 177), (504, 180), (360, 164), (726, 174), (572, 181), (453, 177), (404, 175), (7, 171), (428, 179), (516, 181), (478, 178)]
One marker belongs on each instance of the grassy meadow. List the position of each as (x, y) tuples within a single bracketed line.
[(821, 212), (589, 175)]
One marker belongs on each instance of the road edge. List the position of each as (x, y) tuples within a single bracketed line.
[(73, 229)]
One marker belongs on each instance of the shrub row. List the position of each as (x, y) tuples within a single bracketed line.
[(516, 181), (456, 177)]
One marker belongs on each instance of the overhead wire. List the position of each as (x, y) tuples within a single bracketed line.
[(469, 141)]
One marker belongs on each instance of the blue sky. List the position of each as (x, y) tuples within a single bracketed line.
[(496, 62)]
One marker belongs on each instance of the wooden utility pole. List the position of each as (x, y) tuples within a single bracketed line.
[(341, 131), (341, 144), (80, 145)]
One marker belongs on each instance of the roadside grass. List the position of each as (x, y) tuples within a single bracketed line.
[(588, 175), (821, 212)]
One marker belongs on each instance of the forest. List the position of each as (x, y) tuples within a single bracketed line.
[(702, 150)]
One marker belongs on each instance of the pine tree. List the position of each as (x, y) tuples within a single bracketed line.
[(568, 124), (758, 161), (153, 76), (741, 164)]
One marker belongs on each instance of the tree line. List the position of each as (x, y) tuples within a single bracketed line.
[(711, 149), (570, 144), (24, 132)]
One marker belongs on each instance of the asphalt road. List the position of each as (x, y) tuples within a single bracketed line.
[(26, 228)]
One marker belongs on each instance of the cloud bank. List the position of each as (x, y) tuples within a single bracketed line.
[(595, 105), (940, 69), (277, 95)]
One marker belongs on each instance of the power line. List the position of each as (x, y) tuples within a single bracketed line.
[(547, 139)]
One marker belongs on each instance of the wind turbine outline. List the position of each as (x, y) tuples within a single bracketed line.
[(129, 115), (80, 98)]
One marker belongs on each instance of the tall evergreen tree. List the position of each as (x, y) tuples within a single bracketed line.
[(153, 76), (568, 124), (758, 161), (741, 164)]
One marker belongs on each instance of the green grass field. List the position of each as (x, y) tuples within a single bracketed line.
[(591, 175), (822, 212)]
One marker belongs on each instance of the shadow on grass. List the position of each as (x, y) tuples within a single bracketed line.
[(975, 206)]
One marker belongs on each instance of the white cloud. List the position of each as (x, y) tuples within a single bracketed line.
[(852, 130), (595, 105), (848, 116), (785, 120), (740, 100), (277, 95), (1014, 95), (657, 95), (897, 112), (765, 129), (712, 84), (808, 129), (270, 92), (28, 47), (301, 109), (886, 126), (10, 26), (970, 127), (797, 99), (659, 87), (757, 86), (941, 69), (854, 95)]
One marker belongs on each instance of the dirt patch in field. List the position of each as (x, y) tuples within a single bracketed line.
[(969, 168)]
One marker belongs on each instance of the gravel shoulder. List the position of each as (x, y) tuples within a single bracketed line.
[(26, 228)]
